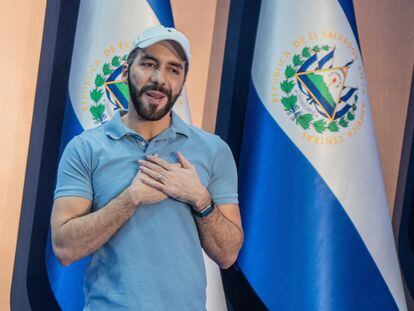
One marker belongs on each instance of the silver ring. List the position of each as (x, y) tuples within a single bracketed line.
[(160, 177)]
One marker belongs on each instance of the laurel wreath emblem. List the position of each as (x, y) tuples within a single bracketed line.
[(289, 99), (97, 108)]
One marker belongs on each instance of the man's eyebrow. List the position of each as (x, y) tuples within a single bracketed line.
[(175, 64), (153, 58), (150, 57)]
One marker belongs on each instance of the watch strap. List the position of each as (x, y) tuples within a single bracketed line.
[(204, 212)]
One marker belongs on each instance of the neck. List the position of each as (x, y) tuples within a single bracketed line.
[(147, 129)]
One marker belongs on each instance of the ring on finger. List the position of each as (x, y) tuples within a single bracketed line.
[(160, 177)]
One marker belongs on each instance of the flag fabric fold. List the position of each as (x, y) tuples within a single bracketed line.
[(317, 229), (105, 33)]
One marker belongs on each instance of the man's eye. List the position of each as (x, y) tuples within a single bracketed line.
[(175, 71), (148, 65)]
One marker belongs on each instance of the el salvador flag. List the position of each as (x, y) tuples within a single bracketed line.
[(317, 228), (105, 33)]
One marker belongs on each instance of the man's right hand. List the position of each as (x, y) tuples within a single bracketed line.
[(140, 193)]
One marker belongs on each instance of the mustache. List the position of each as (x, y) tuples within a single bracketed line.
[(155, 87)]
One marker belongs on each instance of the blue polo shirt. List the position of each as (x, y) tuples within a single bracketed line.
[(154, 262)]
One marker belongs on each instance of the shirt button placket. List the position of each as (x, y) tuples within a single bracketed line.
[(152, 147), (144, 145)]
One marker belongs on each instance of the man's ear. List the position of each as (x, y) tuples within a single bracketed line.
[(124, 75)]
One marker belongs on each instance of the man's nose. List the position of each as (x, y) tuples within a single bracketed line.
[(158, 76)]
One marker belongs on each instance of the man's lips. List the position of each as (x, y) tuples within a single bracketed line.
[(155, 94), (155, 97)]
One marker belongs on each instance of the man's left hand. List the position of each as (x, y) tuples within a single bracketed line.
[(180, 182)]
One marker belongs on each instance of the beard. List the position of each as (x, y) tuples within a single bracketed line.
[(150, 112)]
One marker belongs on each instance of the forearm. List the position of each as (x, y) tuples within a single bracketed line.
[(81, 236), (221, 238)]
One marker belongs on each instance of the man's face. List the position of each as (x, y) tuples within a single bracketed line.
[(155, 79)]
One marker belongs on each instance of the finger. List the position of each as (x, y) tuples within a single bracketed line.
[(155, 175), (147, 180), (184, 162), (157, 160), (176, 165), (152, 166)]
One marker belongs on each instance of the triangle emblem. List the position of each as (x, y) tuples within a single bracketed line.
[(325, 87)]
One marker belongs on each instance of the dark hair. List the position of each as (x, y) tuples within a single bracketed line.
[(133, 54)]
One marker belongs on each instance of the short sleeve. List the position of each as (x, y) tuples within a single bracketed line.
[(223, 183), (74, 173)]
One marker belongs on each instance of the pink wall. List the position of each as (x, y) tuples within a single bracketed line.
[(21, 26), (387, 40)]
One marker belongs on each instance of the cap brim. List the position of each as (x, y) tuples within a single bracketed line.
[(175, 43)]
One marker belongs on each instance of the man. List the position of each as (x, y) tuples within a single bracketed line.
[(145, 191)]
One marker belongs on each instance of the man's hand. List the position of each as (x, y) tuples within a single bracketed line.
[(180, 182), (221, 233), (140, 193)]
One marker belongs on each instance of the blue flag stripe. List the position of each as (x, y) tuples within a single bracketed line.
[(348, 94), (71, 125), (291, 264), (348, 8), (309, 62), (162, 8), (67, 282), (342, 112), (326, 59)]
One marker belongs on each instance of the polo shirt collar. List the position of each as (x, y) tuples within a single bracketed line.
[(117, 129), (178, 125)]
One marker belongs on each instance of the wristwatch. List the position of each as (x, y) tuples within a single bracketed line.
[(205, 211)]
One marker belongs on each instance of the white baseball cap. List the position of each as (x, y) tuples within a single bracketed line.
[(157, 34)]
